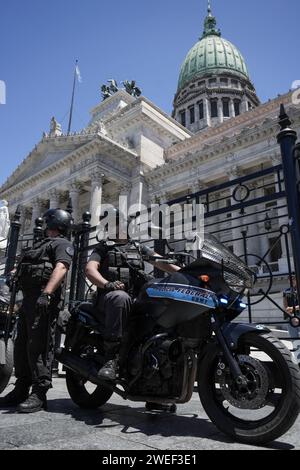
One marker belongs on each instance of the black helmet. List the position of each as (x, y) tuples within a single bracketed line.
[(58, 219)]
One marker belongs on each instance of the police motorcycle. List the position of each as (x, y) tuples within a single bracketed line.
[(181, 331)]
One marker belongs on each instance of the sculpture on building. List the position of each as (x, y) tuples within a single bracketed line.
[(108, 91), (129, 86), (55, 128), (4, 223), (132, 89)]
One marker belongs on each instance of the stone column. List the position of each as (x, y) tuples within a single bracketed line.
[(238, 246), (244, 105), (254, 243), (23, 219), (74, 191), (231, 108), (96, 196), (220, 111), (36, 212), (282, 220), (54, 196), (206, 111)]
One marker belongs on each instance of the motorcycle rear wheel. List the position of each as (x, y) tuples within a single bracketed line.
[(84, 393), (275, 390)]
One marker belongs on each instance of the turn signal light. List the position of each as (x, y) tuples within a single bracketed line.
[(204, 278)]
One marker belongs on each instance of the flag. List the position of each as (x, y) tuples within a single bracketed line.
[(78, 74)]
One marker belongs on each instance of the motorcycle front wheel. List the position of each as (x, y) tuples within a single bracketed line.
[(265, 408), (84, 393)]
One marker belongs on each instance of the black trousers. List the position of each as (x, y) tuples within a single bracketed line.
[(112, 310), (34, 351)]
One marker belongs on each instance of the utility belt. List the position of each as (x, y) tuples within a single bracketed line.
[(34, 275)]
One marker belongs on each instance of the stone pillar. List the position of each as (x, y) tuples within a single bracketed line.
[(220, 111), (238, 246), (206, 109), (231, 108), (23, 219), (253, 243), (74, 191), (282, 220), (244, 105), (96, 196), (36, 212), (54, 196)]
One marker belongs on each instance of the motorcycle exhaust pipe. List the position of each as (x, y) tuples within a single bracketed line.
[(82, 367)]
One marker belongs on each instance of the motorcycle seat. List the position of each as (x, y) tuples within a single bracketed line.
[(87, 307)]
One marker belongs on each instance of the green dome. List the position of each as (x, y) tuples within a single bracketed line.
[(212, 54)]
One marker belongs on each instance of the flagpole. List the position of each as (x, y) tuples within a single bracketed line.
[(72, 101)]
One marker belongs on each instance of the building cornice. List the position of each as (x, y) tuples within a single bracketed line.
[(252, 118), (99, 144)]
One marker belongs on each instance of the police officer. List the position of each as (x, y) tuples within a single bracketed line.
[(113, 303), (290, 303), (42, 277)]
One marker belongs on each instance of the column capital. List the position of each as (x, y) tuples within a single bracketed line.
[(234, 172), (198, 185), (54, 193), (37, 202), (96, 176), (125, 188), (276, 159), (74, 186)]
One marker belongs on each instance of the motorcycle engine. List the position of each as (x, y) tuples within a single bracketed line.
[(160, 369)]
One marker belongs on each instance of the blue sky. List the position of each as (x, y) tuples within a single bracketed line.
[(144, 40)]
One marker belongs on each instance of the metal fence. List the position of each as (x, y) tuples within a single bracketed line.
[(256, 216)]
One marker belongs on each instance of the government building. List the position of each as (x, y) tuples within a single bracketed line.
[(219, 133)]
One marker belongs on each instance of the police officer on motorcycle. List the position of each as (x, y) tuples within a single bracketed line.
[(42, 275), (109, 272)]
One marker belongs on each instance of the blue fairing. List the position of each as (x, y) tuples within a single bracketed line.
[(183, 293)]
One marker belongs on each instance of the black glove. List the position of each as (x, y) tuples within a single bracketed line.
[(43, 303), (112, 286)]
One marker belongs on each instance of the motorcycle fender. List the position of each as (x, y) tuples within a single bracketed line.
[(2, 352), (233, 331)]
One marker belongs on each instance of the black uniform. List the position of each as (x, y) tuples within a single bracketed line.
[(35, 332), (292, 299), (113, 307)]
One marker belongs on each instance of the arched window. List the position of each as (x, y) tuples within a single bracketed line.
[(201, 110), (183, 118), (226, 112), (192, 114), (237, 107), (214, 108)]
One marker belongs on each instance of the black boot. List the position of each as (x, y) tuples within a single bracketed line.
[(37, 401), (109, 370), (19, 394)]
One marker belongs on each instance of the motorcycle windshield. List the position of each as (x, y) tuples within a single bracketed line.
[(236, 273), (183, 293)]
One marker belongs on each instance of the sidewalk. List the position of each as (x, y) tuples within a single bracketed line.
[(119, 425)]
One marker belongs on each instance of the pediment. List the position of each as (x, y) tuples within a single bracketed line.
[(44, 155)]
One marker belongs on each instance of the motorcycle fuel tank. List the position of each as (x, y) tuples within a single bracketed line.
[(177, 299)]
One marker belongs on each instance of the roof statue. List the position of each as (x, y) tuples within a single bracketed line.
[(55, 128), (129, 86), (132, 89)]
